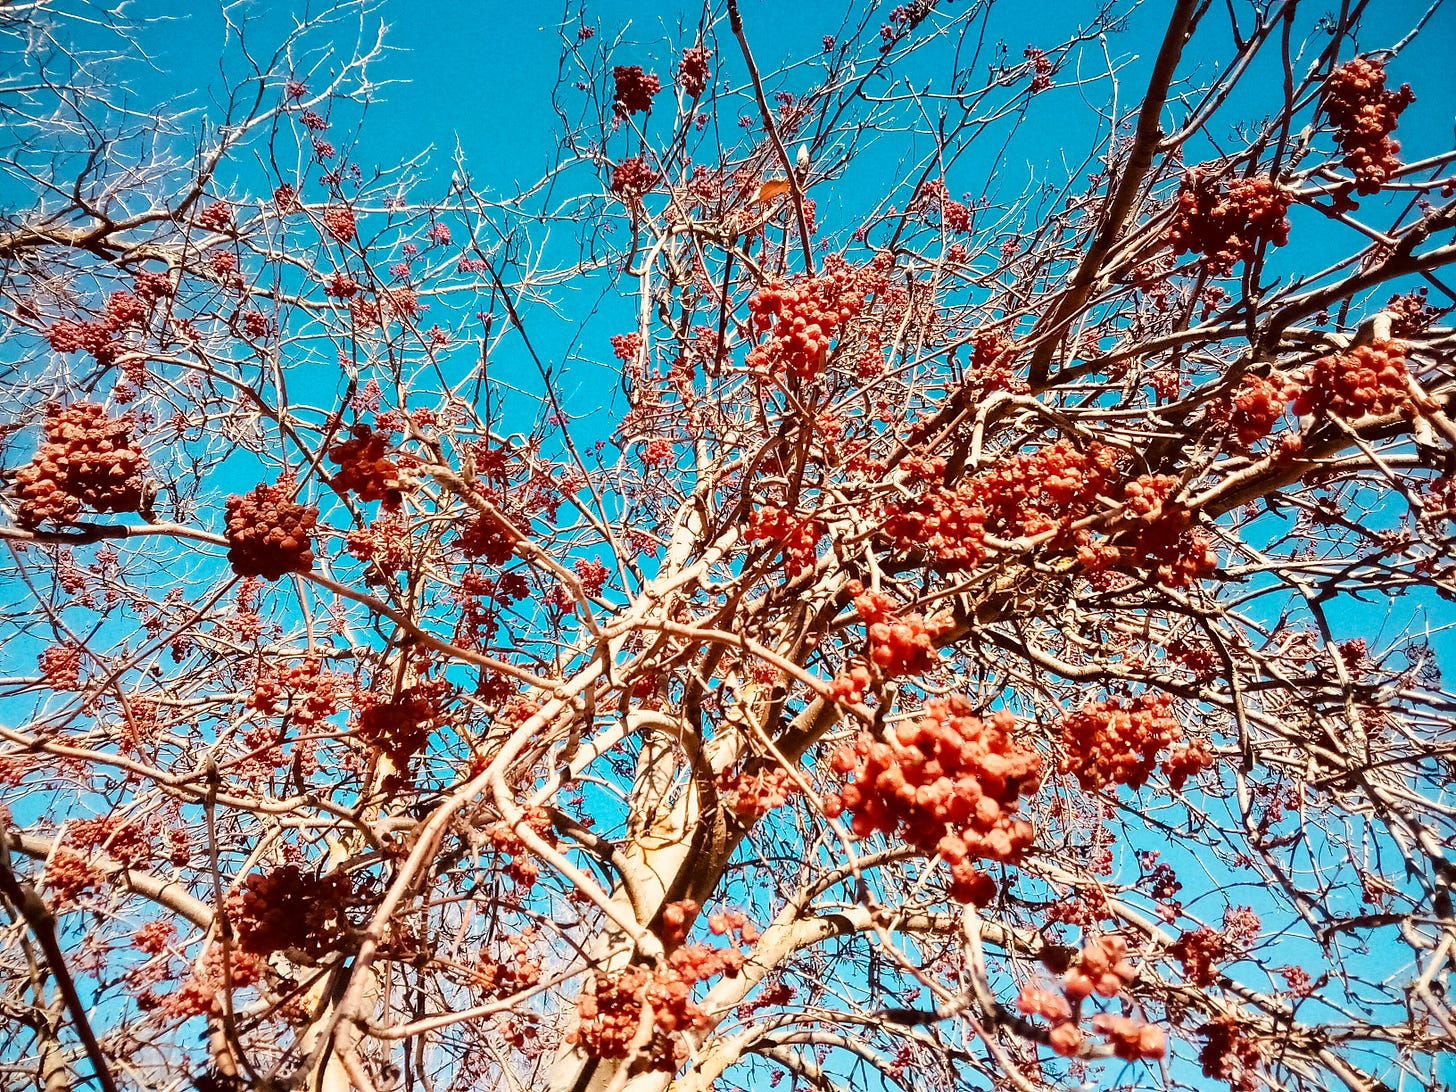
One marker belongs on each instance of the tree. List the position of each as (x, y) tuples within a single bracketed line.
[(983, 641)]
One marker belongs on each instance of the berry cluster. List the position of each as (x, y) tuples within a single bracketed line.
[(635, 90), (399, 729), (522, 870), (898, 646), (386, 542), (519, 971), (1101, 967), (947, 524), (1112, 743), (1369, 380), (339, 222), (656, 1005), (692, 70), (798, 537), (312, 694), (751, 796), (217, 216), (1041, 68), (631, 178), (1159, 536), (1364, 115), (1230, 1054), (289, 909), (268, 534), (488, 539), (948, 783), (1199, 951), (802, 319), (1227, 222), (363, 468), (1254, 408), (1410, 313), (87, 460), (60, 667), (1130, 1039)]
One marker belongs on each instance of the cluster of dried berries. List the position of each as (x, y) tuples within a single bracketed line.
[(948, 783), (802, 319), (60, 667), (1156, 536), (268, 534), (517, 972), (1101, 967), (288, 909), (1116, 742), (1255, 407), (1199, 951), (1411, 313), (339, 222), (947, 524), (386, 542), (310, 694), (488, 539), (522, 869), (88, 460), (1227, 221), (798, 537), (1231, 1054), (199, 994), (623, 1004), (124, 310), (217, 216), (631, 178), (364, 468), (635, 90), (692, 70), (1364, 115), (1369, 380), (399, 729), (751, 796), (1041, 68)]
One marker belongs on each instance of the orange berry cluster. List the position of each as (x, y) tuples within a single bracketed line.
[(631, 178), (522, 870), (88, 460), (60, 666), (948, 524), (1115, 743), (287, 908), (613, 1013), (948, 784), (1101, 968), (1369, 380), (268, 534), (751, 796), (1255, 407), (1227, 221), (363, 468), (797, 536), (339, 222), (1364, 115), (399, 729), (518, 971), (802, 319), (1160, 539), (898, 645)]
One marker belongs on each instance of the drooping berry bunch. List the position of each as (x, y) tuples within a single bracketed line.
[(1041, 68), (802, 319), (399, 729), (522, 870), (898, 645), (287, 908), (1364, 115), (692, 70), (268, 534), (310, 693), (1116, 742), (1231, 1054), (631, 178), (635, 89), (1228, 220), (60, 667), (798, 537), (751, 796), (364, 469), (339, 222), (947, 524), (650, 1007), (1369, 380), (1101, 968), (1157, 536), (88, 460), (518, 971), (948, 783), (1255, 407)]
